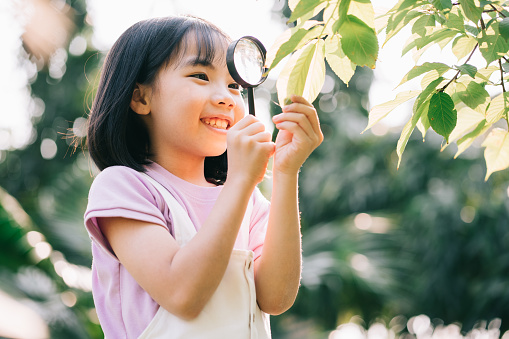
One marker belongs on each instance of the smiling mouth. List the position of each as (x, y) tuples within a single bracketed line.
[(216, 123)]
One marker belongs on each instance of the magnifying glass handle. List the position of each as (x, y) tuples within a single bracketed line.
[(250, 99)]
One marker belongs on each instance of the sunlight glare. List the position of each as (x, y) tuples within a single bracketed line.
[(34, 237), (42, 250)]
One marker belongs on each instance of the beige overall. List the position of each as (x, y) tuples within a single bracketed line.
[(232, 312)]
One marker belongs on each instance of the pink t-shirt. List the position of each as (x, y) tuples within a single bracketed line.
[(123, 307)]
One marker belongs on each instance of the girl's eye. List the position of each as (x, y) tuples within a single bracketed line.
[(234, 86), (201, 76)]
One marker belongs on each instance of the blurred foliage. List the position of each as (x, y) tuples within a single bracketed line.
[(52, 192), (378, 242), (429, 238)]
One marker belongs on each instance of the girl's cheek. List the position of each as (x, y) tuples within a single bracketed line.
[(240, 111)]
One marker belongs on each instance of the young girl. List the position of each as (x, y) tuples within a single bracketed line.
[(180, 249)]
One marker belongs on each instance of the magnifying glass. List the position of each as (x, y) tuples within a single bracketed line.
[(245, 59)]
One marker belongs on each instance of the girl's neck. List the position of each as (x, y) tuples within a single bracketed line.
[(190, 171)]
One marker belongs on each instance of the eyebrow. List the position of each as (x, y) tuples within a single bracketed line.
[(197, 61)]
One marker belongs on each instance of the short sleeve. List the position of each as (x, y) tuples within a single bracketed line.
[(121, 192), (259, 221)]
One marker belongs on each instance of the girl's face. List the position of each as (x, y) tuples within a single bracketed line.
[(192, 106)]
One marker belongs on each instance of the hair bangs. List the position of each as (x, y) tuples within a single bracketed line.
[(208, 43)]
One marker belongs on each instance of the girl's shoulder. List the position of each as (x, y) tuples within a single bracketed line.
[(121, 183), (113, 172), (120, 191), (118, 177)]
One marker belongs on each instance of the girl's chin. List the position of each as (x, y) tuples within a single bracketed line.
[(217, 152)]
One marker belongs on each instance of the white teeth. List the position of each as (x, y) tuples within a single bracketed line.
[(216, 123)]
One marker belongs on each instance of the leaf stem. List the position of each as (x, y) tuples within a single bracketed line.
[(496, 10), (327, 23), (459, 71), (501, 74), (506, 117)]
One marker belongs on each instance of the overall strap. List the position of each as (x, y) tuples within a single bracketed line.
[(183, 227)]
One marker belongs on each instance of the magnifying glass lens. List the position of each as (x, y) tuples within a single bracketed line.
[(249, 61)]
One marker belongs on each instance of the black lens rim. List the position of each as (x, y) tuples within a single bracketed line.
[(230, 62)]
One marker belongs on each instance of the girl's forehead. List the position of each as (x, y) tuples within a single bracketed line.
[(202, 50)]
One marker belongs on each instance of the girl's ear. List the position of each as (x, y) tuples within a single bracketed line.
[(140, 101)]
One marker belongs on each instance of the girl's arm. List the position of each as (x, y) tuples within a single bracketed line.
[(277, 271), (182, 280)]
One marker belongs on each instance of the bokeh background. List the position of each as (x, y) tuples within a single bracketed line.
[(387, 253)]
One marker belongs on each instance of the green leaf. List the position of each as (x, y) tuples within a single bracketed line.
[(409, 128), (440, 18), (472, 30), (292, 4), (468, 69), (399, 22), (343, 10), (426, 93), (331, 17), (435, 37), (303, 20), (455, 21), (304, 74), (337, 60), (463, 45), (442, 115), (423, 124), (498, 108), (466, 141), (303, 8), (471, 9), (341, 15), (421, 105), (485, 73), (504, 28), (496, 153), (468, 119), (363, 9), (493, 20), (410, 4), (492, 45), (379, 112), (442, 4), (359, 42), (297, 40), (419, 26), (410, 44), (424, 68), (429, 78), (473, 95)]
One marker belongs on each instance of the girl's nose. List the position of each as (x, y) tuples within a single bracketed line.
[(224, 98)]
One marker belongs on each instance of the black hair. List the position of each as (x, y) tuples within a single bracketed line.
[(116, 134)]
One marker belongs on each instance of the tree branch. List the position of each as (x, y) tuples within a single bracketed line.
[(501, 74), (459, 71), (496, 10)]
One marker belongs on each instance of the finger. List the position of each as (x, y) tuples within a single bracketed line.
[(249, 127), (297, 131), (245, 121), (301, 105), (254, 128), (300, 99), (301, 119), (262, 137)]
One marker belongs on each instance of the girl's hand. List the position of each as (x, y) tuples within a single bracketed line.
[(249, 149), (299, 134)]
